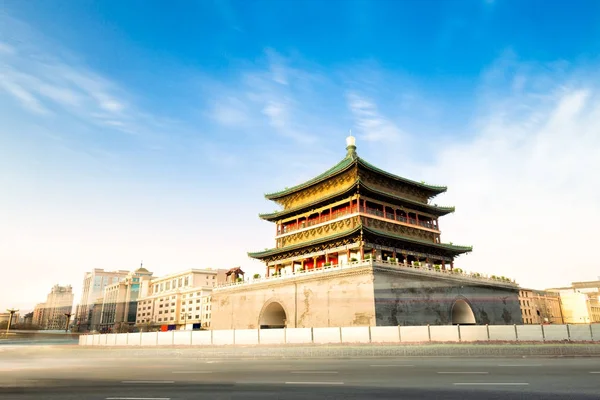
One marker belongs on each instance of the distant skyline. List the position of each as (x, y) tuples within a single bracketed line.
[(151, 131)]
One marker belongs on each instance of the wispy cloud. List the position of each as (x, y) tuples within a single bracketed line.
[(48, 82), (267, 95), (372, 126), (524, 183)]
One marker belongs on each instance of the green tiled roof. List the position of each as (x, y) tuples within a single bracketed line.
[(279, 214), (345, 164), (339, 167), (433, 188), (444, 246), (269, 252)]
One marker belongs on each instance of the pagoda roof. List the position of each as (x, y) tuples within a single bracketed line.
[(347, 163), (270, 252), (442, 246), (434, 209)]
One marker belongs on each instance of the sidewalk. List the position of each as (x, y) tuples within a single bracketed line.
[(358, 351)]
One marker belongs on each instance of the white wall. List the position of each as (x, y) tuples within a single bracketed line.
[(527, 333), (356, 334), (414, 334), (362, 334), (444, 333), (298, 335), (502, 332), (580, 332), (326, 335), (246, 336), (272, 336), (385, 334), (473, 333), (557, 332)]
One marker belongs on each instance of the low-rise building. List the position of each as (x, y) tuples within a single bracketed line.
[(180, 300), (580, 302), (527, 306)]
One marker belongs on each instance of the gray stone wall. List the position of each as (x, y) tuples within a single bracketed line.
[(336, 298), (402, 299), (361, 297)]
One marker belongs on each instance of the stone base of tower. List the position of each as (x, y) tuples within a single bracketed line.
[(364, 294)]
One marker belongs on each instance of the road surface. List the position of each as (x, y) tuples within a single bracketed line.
[(68, 372)]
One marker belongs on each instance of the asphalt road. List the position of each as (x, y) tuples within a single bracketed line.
[(59, 374)]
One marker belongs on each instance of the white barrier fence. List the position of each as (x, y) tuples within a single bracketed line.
[(351, 335)]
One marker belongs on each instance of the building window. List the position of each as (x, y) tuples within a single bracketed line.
[(173, 311), (190, 302), (197, 308), (198, 301), (197, 317), (172, 318), (186, 282)]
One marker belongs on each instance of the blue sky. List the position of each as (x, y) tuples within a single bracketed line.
[(151, 130)]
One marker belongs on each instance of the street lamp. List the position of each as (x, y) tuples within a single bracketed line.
[(68, 315), (12, 311)]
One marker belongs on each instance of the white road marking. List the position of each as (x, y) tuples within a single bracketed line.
[(138, 398), (313, 372), (519, 365), (147, 381), (463, 372), (392, 365), (314, 383), (594, 372), (192, 372), (493, 383)]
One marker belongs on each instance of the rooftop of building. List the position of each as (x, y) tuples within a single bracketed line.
[(189, 271)]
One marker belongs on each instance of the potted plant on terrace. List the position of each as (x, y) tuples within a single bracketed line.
[(256, 276)]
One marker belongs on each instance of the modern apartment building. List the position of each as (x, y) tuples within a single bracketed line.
[(119, 302), (94, 283), (180, 300)]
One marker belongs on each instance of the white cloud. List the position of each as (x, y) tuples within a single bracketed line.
[(526, 187), (373, 127)]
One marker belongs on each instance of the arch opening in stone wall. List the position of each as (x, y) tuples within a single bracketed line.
[(462, 313), (273, 316)]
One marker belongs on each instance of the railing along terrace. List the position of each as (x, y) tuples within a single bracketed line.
[(367, 210), (426, 269)]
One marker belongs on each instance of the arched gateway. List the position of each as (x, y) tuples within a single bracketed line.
[(272, 316), (462, 313)]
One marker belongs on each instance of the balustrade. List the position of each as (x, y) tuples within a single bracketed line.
[(427, 269), (350, 210)]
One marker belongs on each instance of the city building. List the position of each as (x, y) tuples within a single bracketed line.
[(580, 302), (58, 303), (180, 300), (357, 245), (38, 314), (93, 286), (540, 307), (527, 307), (119, 304)]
